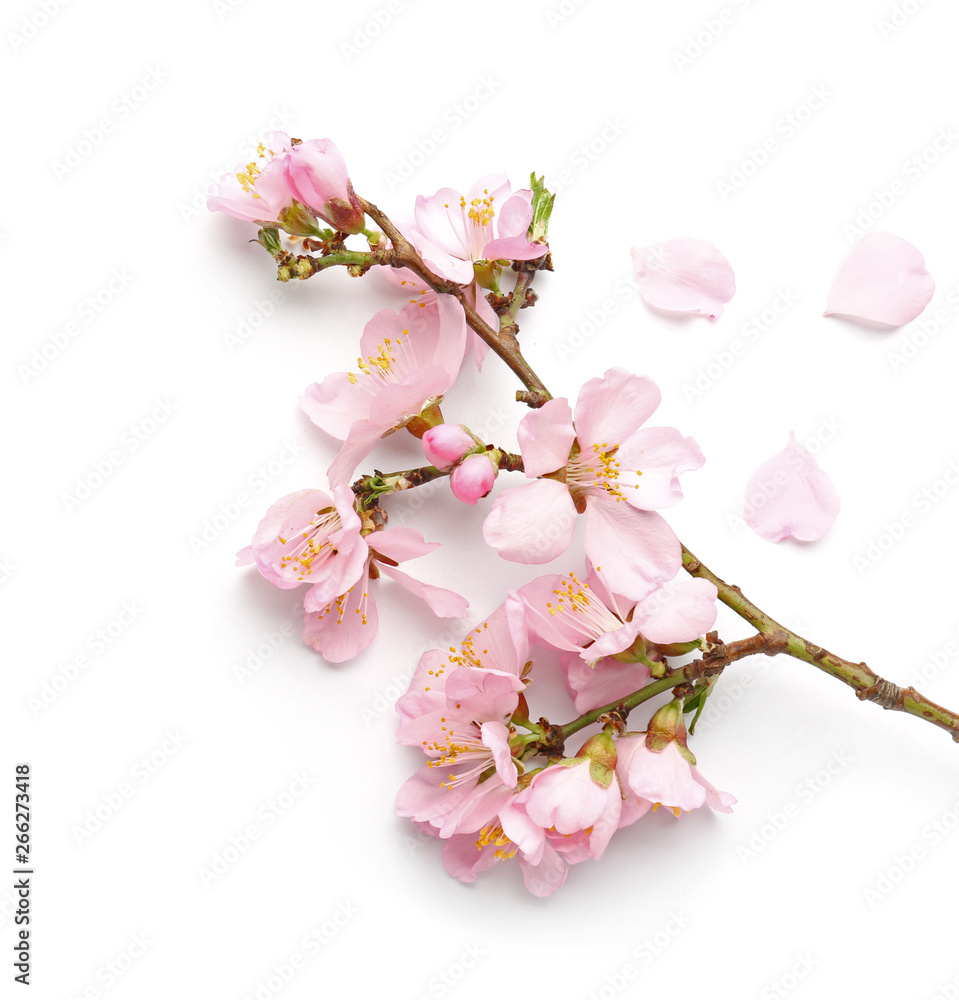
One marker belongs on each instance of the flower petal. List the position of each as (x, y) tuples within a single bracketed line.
[(533, 523), (791, 497), (884, 279), (345, 627), (611, 408), (636, 550), (684, 275), (442, 602), (545, 437)]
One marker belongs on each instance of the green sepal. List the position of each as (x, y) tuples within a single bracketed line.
[(269, 239), (298, 220), (542, 209), (601, 774)]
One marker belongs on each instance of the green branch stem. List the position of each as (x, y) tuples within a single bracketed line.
[(867, 684)]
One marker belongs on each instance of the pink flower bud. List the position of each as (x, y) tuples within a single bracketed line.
[(473, 478), (316, 174), (445, 444)]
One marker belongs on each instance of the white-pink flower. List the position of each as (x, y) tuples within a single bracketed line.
[(451, 231), (590, 620), (579, 795), (789, 496), (409, 360), (309, 537), (458, 712), (473, 478), (599, 460), (658, 767)]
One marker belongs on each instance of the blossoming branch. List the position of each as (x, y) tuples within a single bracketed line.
[(632, 621)]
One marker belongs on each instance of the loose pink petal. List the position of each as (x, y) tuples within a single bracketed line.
[(684, 275), (791, 497), (883, 279)]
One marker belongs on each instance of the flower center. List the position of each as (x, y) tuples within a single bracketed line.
[(379, 366), (494, 835), (598, 468), (589, 617), (354, 601), (312, 545), (480, 212), (463, 749), (247, 178)]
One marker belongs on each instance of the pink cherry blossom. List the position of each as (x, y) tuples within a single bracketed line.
[(789, 496), (473, 478), (420, 294), (309, 537), (260, 193), (466, 855), (663, 778), (567, 798), (342, 627), (684, 275), (658, 767), (451, 231), (458, 712), (600, 460), (409, 359), (882, 279), (680, 611), (316, 174)]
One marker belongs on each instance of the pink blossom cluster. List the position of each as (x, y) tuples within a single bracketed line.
[(483, 791)]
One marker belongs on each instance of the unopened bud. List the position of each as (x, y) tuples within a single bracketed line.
[(473, 478), (445, 444)]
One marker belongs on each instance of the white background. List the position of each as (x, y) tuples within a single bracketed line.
[(180, 375)]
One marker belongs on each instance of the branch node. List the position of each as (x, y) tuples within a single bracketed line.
[(884, 693)]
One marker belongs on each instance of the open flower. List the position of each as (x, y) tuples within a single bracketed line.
[(590, 620), (309, 537), (458, 712), (409, 359), (657, 766), (452, 231), (578, 795), (603, 462)]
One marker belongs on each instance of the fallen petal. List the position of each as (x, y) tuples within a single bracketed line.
[(684, 275), (883, 279), (791, 497)]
